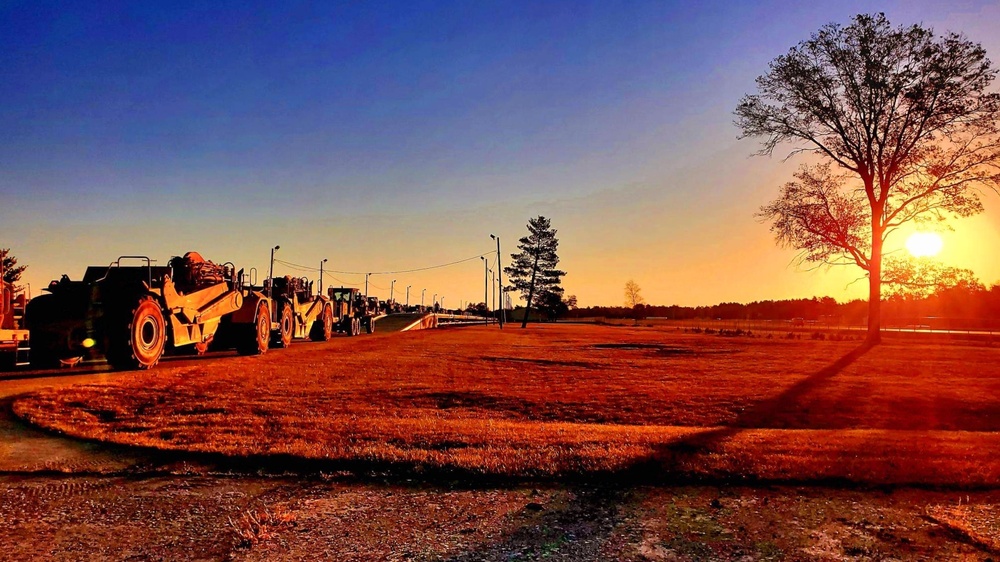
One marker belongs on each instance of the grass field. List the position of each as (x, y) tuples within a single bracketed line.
[(637, 403)]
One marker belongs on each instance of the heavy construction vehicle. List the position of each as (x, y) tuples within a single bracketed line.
[(301, 314), (352, 311), (13, 337), (132, 314)]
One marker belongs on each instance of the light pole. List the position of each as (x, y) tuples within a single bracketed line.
[(366, 285), (442, 303), (486, 288), (422, 291), (503, 309), (270, 273), (408, 296), (321, 276), (392, 288), (494, 286), (434, 302)]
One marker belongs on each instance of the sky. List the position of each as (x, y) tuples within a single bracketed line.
[(395, 136)]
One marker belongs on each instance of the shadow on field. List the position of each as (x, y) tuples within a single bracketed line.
[(772, 413), (575, 530)]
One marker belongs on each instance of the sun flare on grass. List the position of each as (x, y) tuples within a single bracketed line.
[(924, 244)]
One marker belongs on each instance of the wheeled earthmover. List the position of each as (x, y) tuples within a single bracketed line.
[(301, 314), (132, 314), (351, 311)]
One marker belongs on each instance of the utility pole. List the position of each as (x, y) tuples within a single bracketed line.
[(503, 309), (366, 285), (270, 273), (321, 276), (486, 288)]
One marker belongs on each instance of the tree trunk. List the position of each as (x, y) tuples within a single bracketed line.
[(874, 336), (531, 293)]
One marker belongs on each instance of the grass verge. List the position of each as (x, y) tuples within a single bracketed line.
[(570, 400)]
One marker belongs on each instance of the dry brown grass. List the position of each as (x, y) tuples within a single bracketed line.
[(257, 525), (557, 400)]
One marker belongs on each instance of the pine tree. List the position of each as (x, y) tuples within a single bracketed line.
[(11, 271), (533, 271)]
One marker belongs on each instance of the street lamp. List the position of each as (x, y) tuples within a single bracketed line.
[(422, 291), (270, 273), (366, 284), (392, 288), (486, 288), (434, 301), (442, 303), (503, 309), (408, 296), (321, 276)]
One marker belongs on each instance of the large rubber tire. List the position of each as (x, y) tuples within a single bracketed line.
[(140, 343), (254, 339), (286, 325), (45, 344), (44, 352), (353, 327), (322, 329), (370, 325)]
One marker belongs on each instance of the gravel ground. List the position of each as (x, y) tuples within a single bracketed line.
[(210, 517)]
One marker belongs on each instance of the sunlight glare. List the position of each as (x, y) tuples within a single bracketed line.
[(924, 244)]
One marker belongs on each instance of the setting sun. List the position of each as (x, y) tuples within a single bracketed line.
[(924, 244)]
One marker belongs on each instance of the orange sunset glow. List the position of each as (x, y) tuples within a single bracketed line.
[(500, 281)]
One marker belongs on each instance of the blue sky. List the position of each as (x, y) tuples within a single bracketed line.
[(388, 136)]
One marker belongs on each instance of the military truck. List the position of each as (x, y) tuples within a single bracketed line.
[(132, 314)]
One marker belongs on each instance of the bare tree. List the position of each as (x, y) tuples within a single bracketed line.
[(633, 294), (904, 123)]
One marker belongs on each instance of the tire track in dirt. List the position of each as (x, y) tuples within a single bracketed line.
[(65, 488)]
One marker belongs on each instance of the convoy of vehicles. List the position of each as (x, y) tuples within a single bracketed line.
[(132, 312)]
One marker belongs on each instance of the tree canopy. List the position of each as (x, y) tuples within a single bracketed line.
[(11, 271), (905, 129), (533, 268)]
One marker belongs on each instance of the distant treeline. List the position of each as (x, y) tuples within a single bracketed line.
[(958, 302)]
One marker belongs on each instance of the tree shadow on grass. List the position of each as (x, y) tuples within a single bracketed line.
[(670, 458), (578, 529)]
